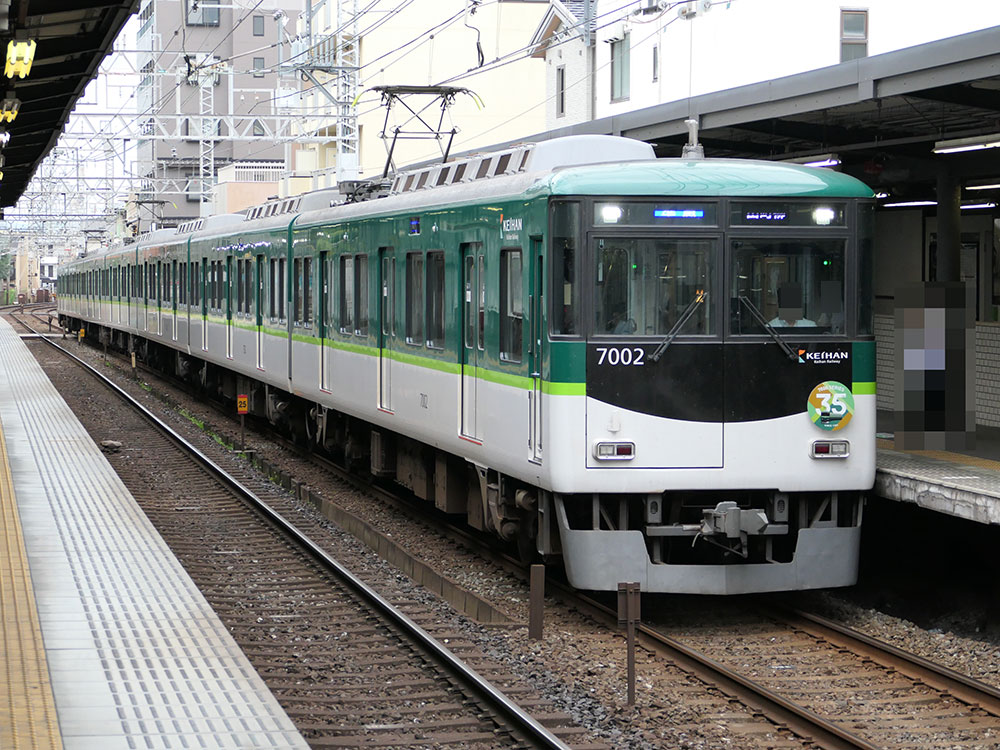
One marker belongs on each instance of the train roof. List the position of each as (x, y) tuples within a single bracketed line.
[(707, 178)]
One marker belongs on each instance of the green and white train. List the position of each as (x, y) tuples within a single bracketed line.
[(661, 370)]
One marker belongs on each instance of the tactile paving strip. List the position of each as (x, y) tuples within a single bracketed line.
[(136, 655), (954, 470), (27, 708)]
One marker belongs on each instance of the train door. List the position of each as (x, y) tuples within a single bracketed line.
[(258, 309), (141, 295), (473, 336), (322, 304), (386, 325), (227, 290), (204, 292), (156, 297), (173, 298), (536, 304)]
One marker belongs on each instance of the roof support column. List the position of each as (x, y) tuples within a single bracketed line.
[(949, 215)]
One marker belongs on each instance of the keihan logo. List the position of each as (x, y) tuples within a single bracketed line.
[(822, 358)]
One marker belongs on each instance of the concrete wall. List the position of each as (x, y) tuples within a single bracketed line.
[(574, 56), (898, 243), (746, 41)]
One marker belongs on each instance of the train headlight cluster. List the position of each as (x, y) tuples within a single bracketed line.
[(831, 449), (614, 451)]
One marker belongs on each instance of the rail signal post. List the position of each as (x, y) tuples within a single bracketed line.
[(242, 407), (629, 617)]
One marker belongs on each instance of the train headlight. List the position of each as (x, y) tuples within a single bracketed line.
[(614, 451), (610, 214), (831, 449)]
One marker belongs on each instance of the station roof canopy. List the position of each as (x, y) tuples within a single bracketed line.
[(881, 116), (72, 37)]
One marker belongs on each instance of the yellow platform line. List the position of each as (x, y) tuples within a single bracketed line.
[(27, 707)]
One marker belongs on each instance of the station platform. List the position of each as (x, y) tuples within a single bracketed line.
[(964, 483), (105, 641)]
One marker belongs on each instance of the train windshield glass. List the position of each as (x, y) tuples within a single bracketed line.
[(796, 284), (645, 285)]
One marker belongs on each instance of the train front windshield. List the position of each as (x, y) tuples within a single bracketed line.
[(645, 285), (792, 283), (723, 269)]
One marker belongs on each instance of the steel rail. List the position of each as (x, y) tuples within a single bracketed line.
[(960, 686), (518, 721), (797, 719)]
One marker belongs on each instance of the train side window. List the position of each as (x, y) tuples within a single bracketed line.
[(282, 295), (307, 307), (240, 274), (210, 286), (272, 313), (481, 298), (181, 283), (330, 312), (346, 294), (248, 265), (297, 290), (511, 306), (414, 298), (361, 294), (435, 299), (565, 295)]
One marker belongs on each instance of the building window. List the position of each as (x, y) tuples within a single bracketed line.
[(258, 67), (203, 12), (656, 63), (560, 91), (258, 25), (853, 35), (258, 128), (620, 69)]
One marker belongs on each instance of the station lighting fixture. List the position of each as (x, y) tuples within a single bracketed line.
[(975, 143), (817, 160), (917, 204), (990, 185), (20, 55), (10, 105)]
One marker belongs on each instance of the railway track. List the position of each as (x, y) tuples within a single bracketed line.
[(351, 667), (814, 679), (830, 686)]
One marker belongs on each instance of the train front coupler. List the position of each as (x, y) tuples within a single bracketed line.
[(737, 525)]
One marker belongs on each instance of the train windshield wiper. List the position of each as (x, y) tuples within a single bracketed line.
[(769, 328), (699, 297)]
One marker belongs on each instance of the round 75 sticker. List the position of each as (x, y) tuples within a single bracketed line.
[(831, 405)]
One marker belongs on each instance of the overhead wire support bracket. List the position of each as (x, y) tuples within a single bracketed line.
[(444, 95)]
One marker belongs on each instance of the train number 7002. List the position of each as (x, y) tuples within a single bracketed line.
[(613, 355)]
